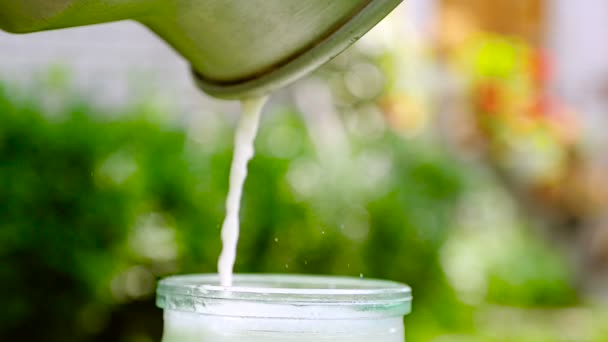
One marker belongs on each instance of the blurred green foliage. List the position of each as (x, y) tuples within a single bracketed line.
[(95, 208)]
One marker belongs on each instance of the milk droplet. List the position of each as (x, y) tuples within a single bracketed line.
[(276, 239), (361, 275)]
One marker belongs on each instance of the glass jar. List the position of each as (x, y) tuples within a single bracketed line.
[(273, 308)]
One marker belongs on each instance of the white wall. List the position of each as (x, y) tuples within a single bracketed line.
[(110, 63), (578, 38)]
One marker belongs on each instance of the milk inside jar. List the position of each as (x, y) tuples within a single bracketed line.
[(277, 308)]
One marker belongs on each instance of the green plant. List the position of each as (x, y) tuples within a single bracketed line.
[(95, 207)]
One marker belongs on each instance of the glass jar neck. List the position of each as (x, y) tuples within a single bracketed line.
[(286, 297)]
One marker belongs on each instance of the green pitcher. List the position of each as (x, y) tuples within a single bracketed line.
[(237, 48)]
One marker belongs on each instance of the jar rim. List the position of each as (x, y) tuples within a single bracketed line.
[(330, 296)]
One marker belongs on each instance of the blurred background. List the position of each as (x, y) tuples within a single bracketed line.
[(460, 147)]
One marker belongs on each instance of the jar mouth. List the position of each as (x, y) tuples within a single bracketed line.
[(285, 296)]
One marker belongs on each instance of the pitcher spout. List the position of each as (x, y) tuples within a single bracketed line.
[(25, 16)]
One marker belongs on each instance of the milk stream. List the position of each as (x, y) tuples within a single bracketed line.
[(243, 152)]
